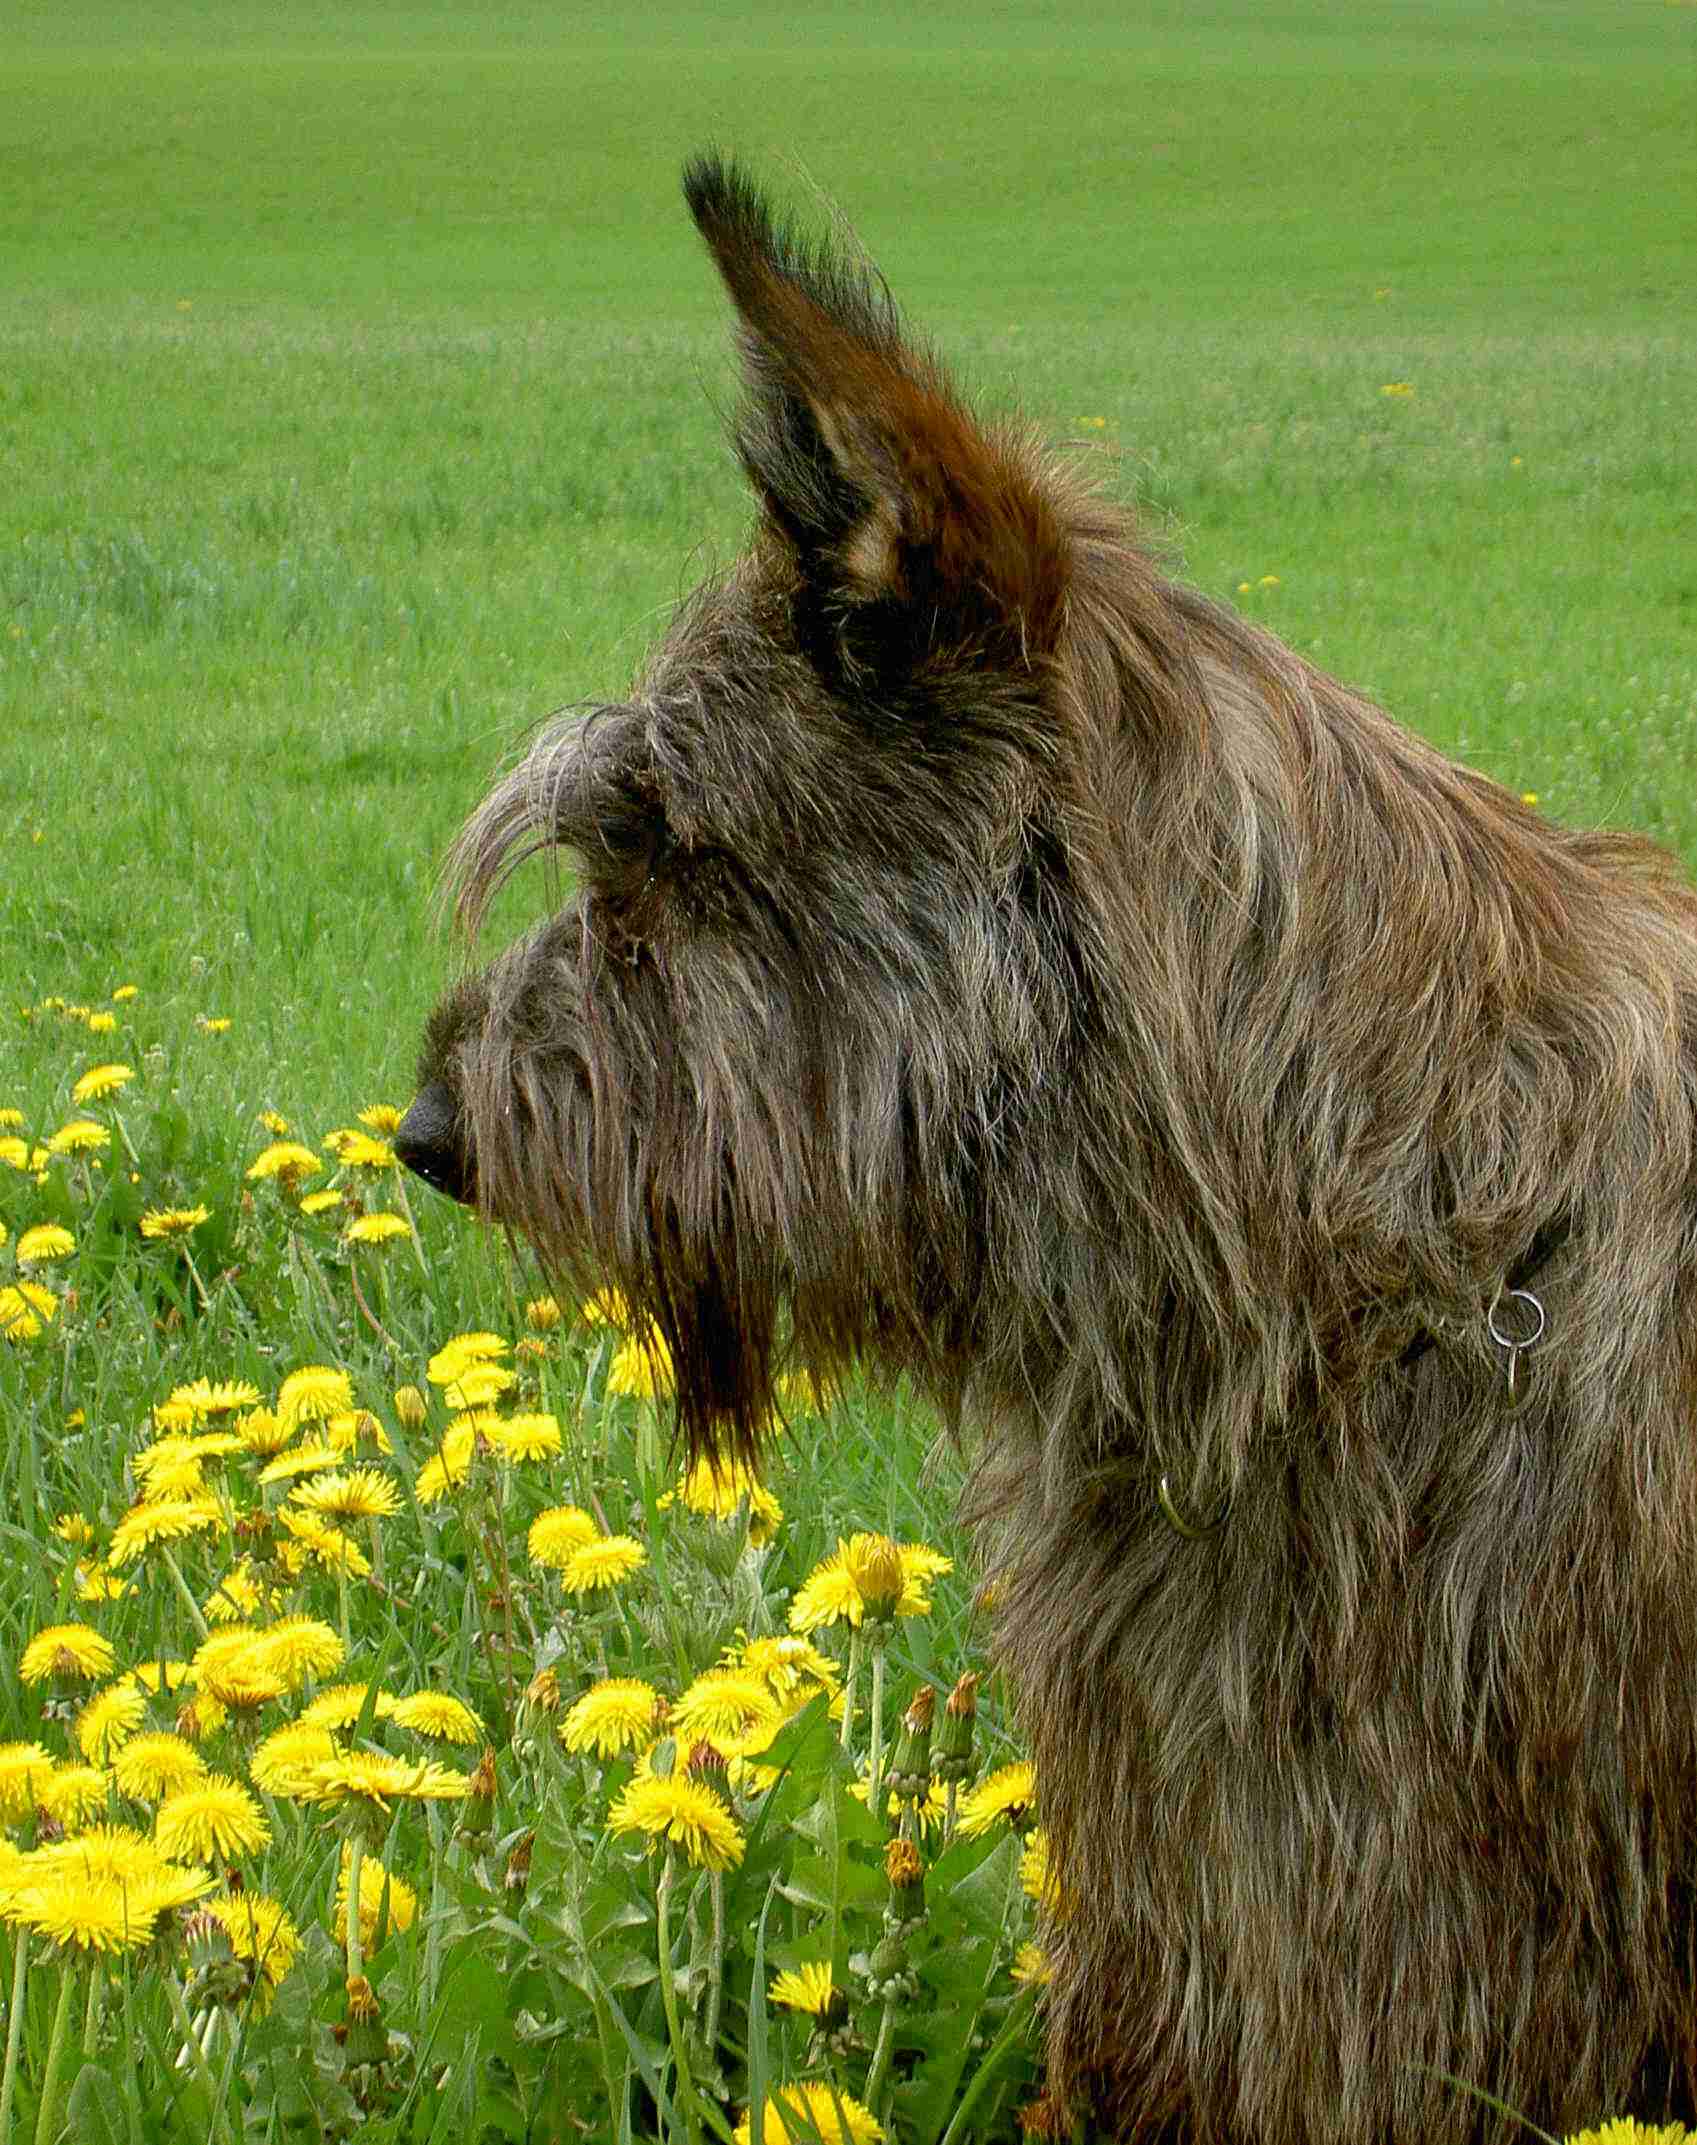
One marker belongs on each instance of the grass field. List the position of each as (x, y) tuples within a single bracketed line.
[(360, 394)]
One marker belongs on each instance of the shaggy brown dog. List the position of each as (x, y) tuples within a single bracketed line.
[(993, 962)]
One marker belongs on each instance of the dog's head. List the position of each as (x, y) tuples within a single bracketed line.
[(820, 947)]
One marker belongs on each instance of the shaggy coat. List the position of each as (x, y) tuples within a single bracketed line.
[(992, 962)]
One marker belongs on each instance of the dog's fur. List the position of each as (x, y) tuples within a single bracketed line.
[(994, 962)]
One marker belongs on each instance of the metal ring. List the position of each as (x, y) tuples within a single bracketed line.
[(1513, 1343), (1191, 1531)]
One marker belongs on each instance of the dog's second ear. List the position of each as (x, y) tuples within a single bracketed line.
[(921, 536)]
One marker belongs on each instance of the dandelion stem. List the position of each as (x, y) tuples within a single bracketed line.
[(199, 1284), (669, 1998), (716, 1966), (14, 2028), (369, 1315), (875, 1764), (182, 1586), (195, 2052), (356, 1934), (47, 2113), (881, 2054), (851, 1675)]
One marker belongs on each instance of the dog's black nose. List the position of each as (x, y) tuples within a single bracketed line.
[(432, 1143)]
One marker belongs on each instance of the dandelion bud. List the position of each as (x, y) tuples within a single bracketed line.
[(516, 1876), (909, 1777), (904, 1870), (478, 1812), (363, 2036), (542, 1692), (952, 1759), (888, 1976), (875, 1564), (706, 1762), (409, 1407)]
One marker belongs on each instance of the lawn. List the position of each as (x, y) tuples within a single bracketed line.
[(361, 392)]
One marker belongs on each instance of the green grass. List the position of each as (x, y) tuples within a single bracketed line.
[(360, 394)]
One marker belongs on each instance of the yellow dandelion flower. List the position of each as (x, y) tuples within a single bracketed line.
[(75, 1793), (357, 1493), (642, 1369), (686, 1813), (101, 1080), (455, 1357), (609, 1308), (542, 1314), (9, 1118), (215, 1818), (298, 1647), (342, 1705), (806, 1988), (376, 1229), (46, 1241), (212, 1023), (1627, 2130), (791, 1667), (1010, 1793), (286, 1756), (25, 1308), (14, 1152), (109, 1719), (164, 1521), (435, 1713), (383, 1118), (1036, 1879), (525, 1437), (160, 1223), (374, 1779), (150, 1767), (729, 1708), (66, 1650), (353, 1428), (814, 2112), (618, 1713), (362, 1150), (302, 1460), (81, 1136), (314, 1392), (232, 1667), (260, 1932), (310, 1541), (479, 1385), (274, 1122), (82, 1914), (287, 1160), (862, 1574), (75, 1528), (322, 1202), (556, 1533), (602, 1563), (263, 1431), (1032, 1968), (25, 1769), (237, 1597), (397, 1910)]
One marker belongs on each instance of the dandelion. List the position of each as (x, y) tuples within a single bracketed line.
[(46, 1241), (232, 1668), (162, 1224), (642, 1368), (75, 1528), (384, 1900), (260, 1932), (455, 1357), (479, 1386), (1398, 390), (618, 1713), (436, 1713), (303, 1460), (718, 1488), (867, 1573), (1009, 1793), (1627, 2130), (525, 1437), (600, 1564), (448, 1465), (166, 1521), (361, 1150), (282, 1761), (542, 1314), (374, 1780), (342, 1705), (263, 1431), (1036, 1879), (358, 1493), (558, 1532), (109, 1719), (311, 1542), (376, 1229), (321, 1202), (66, 1650), (815, 2112), (81, 1136), (25, 1308), (275, 1123), (226, 1395), (729, 1708), (684, 1812), (100, 1081), (1032, 1968), (150, 1767), (383, 1118), (298, 1647), (792, 1668), (14, 1152), (24, 1771), (314, 1392), (806, 1988), (214, 1818), (609, 1308), (212, 1023), (83, 1914), (286, 1160), (75, 1793)]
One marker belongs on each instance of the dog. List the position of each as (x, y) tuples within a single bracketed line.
[(1269, 1142)]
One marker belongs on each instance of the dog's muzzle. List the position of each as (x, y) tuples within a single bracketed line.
[(431, 1142)]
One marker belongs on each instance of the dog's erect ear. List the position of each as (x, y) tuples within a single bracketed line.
[(921, 534)]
